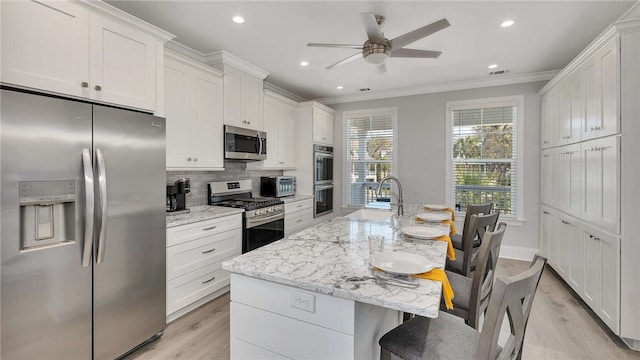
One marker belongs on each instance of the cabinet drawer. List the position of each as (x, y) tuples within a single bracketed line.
[(180, 234), (329, 311), (298, 221), (192, 255), (296, 206), (186, 289)]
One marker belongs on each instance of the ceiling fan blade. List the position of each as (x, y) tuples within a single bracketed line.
[(373, 30), (415, 53), (346, 46), (381, 69), (344, 61), (417, 34)]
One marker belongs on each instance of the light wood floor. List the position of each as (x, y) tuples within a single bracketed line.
[(559, 327)]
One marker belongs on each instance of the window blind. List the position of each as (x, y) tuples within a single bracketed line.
[(484, 158), (369, 145)]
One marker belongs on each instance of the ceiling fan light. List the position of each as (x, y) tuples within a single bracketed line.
[(376, 58)]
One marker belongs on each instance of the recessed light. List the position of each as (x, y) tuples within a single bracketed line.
[(493, 66), (304, 63), (507, 23), (238, 19), (339, 87)]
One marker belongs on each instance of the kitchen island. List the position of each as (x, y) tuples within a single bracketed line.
[(312, 294)]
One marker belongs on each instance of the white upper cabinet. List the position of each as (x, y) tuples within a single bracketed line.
[(600, 176), (242, 100), (570, 109), (549, 124), (600, 84), (322, 126), (569, 178), (281, 127), (193, 109), (68, 48)]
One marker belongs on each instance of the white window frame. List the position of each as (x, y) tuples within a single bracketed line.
[(518, 101), (364, 113)]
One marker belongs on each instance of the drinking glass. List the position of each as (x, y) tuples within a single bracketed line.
[(376, 244)]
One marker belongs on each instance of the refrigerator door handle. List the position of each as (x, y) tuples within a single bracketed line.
[(102, 187), (89, 207)]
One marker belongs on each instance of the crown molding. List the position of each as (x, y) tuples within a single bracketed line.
[(632, 13), (170, 53), (128, 19), (316, 104), (442, 87), (184, 50), (222, 57), (282, 92), (275, 95)]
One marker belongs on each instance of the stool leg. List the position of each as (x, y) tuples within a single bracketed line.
[(385, 354)]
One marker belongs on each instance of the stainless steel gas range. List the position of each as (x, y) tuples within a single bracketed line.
[(263, 219)]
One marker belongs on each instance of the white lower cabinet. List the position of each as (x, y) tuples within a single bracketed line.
[(298, 215), (195, 253), (549, 235)]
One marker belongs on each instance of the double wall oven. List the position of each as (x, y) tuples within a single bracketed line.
[(323, 180)]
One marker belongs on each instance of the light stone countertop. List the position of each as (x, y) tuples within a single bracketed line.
[(201, 213), (323, 258), (295, 198)]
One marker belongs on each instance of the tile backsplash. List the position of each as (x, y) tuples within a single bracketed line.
[(233, 170)]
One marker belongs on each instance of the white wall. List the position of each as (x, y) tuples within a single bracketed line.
[(421, 152)]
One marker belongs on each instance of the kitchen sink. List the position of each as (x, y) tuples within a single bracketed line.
[(371, 214)]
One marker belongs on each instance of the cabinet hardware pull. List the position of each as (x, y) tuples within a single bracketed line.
[(195, 159), (591, 236), (209, 228), (545, 212), (210, 280), (249, 122), (208, 251), (98, 87), (597, 128), (188, 159), (84, 84), (300, 220), (597, 239), (301, 205)]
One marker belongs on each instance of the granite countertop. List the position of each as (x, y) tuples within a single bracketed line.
[(327, 257), (201, 213), (295, 198)]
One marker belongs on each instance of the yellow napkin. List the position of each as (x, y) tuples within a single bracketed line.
[(453, 213), (451, 226), (439, 275), (451, 254)]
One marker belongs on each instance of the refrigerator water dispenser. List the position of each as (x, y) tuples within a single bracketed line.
[(47, 213)]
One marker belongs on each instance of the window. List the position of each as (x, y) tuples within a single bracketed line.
[(484, 152), (369, 144)]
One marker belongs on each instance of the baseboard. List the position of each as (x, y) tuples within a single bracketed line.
[(196, 304), (517, 253), (633, 344)]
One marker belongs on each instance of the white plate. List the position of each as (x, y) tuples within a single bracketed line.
[(434, 216), (436, 206), (423, 232), (396, 262)]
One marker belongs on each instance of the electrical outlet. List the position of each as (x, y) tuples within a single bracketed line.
[(303, 301)]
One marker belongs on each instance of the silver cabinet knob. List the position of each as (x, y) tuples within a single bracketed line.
[(188, 159), (84, 84), (195, 159), (98, 87), (249, 122)]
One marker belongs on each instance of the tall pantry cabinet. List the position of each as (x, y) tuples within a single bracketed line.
[(590, 191)]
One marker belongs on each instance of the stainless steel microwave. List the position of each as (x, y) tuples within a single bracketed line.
[(244, 144)]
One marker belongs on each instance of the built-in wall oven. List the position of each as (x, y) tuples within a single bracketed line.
[(323, 180)]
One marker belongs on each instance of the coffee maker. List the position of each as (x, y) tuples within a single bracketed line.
[(176, 195)]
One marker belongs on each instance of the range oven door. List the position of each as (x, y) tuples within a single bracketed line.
[(263, 231), (323, 200)]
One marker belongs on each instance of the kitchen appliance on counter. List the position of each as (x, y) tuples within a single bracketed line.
[(323, 180), (82, 226), (244, 144), (263, 218), (277, 186), (177, 196)]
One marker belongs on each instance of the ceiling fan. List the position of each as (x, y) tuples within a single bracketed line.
[(377, 49)]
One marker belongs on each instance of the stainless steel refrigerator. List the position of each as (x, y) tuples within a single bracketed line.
[(82, 228)]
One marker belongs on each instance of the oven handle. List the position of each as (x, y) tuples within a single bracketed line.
[(323, 187), (261, 221), (324, 155), (260, 142)]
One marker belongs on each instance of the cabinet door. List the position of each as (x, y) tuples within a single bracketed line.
[(252, 99), (590, 92), (577, 107), (551, 232), (592, 180), (592, 269), (233, 99), (549, 186), (609, 86), (608, 150), (327, 128), (206, 120), (549, 119), (45, 45), (545, 218), (569, 178), (576, 257), (564, 112), (123, 65), (564, 247), (272, 114), (177, 114), (288, 139), (317, 126)]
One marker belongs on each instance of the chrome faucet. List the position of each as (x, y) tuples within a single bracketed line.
[(379, 192)]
